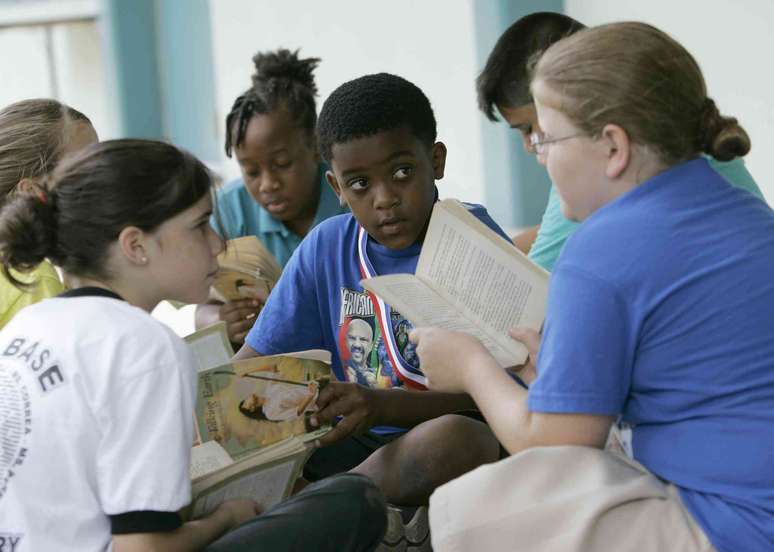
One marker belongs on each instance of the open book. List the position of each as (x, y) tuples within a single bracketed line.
[(252, 421), (247, 269), (469, 279), (267, 476)]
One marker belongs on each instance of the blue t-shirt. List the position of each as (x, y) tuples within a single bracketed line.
[(661, 310), (240, 215), (318, 303), (555, 228)]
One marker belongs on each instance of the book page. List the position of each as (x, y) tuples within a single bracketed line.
[(210, 346), (267, 486), (492, 283), (249, 404), (423, 306), (208, 457)]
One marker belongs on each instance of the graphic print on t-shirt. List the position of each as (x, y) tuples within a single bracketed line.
[(361, 344), (15, 421)]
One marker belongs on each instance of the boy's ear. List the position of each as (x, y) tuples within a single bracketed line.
[(438, 154), (132, 243), (619, 150), (334, 184)]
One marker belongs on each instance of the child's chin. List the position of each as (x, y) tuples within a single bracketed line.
[(397, 242)]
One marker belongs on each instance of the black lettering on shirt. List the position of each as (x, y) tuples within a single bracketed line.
[(8, 542), (29, 351), (14, 347), (49, 375), (38, 364)]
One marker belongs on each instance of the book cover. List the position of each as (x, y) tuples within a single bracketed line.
[(250, 404), (247, 270)]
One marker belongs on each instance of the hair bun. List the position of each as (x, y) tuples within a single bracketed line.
[(28, 230), (721, 137), (285, 65)]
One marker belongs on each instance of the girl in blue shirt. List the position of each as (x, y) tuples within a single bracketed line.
[(282, 193), (658, 318)]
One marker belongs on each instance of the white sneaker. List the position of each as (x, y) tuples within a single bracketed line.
[(406, 536)]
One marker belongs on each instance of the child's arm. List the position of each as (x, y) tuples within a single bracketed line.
[(524, 239), (192, 535), (456, 361), (239, 316), (363, 407)]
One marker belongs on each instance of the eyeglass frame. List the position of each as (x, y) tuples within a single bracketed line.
[(539, 146)]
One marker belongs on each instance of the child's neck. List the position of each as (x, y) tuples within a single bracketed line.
[(303, 223), (300, 226), (126, 292)]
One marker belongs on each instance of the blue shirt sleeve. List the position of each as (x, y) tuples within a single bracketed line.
[(587, 350), (290, 320), (480, 212), (226, 217)]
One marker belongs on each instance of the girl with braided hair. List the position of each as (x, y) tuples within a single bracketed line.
[(282, 193)]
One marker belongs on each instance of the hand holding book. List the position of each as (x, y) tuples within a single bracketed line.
[(471, 280), (252, 420), (247, 275)]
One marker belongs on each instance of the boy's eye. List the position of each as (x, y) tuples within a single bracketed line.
[(252, 174), (402, 173), (357, 184), (284, 164)]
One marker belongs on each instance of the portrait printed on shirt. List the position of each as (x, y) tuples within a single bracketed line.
[(362, 348)]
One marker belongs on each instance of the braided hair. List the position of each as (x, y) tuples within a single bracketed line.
[(281, 81)]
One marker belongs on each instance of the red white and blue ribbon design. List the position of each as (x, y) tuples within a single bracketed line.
[(411, 376)]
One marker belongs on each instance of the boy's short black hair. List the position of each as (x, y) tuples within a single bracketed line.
[(505, 78), (372, 104)]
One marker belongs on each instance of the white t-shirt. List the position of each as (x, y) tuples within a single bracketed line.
[(95, 420)]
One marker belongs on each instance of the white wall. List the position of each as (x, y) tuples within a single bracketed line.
[(78, 63), (733, 44), (430, 43)]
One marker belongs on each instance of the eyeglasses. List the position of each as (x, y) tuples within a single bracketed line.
[(540, 145)]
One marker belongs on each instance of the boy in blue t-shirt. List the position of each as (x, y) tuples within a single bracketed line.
[(378, 134)]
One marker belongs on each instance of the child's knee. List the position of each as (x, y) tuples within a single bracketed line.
[(458, 442), (356, 497)]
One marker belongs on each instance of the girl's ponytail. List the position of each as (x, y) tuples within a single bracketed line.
[(28, 233), (283, 71), (721, 137), (90, 197)]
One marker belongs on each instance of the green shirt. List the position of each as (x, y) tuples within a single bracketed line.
[(555, 228), (12, 299)]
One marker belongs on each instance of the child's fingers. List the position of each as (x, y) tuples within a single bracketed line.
[(240, 308), (528, 336), (343, 429), (238, 330), (238, 315), (332, 402)]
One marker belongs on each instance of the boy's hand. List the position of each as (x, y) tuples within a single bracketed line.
[(531, 340), (356, 403), (239, 510), (239, 316)]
